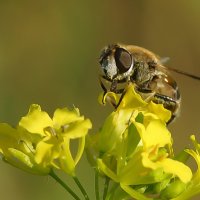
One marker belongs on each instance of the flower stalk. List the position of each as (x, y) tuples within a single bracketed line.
[(106, 185), (64, 185), (96, 182), (78, 183)]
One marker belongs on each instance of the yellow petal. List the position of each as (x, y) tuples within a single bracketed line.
[(109, 97), (169, 166), (131, 99), (177, 168), (156, 134), (65, 116), (77, 129), (47, 151), (22, 161), (66, 160), (160, 111), (36, 120)]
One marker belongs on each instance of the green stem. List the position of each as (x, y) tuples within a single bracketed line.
[(106, 185), (112, 191), (81, 188), (55, 177), (97, 185)]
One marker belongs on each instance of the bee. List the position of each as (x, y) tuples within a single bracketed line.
[(128, 63)]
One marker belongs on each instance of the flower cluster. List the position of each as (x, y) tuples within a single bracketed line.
[(39, 144), (134, 149)]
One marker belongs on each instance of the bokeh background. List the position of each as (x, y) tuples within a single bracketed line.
[(49, 55)]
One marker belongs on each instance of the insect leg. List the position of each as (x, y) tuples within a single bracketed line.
[(168, 102), (145, 93), (111, 101), (102, 85)]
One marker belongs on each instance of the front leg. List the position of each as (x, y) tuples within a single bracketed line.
[(113, 88)]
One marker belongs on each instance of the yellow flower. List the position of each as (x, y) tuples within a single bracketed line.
[(56, 134), (17, 147), (40, 143), (135, 146), (149, 161)]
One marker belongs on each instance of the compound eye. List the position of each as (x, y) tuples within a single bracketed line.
[(123, 60)]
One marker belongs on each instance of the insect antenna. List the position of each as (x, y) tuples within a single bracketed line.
[(184, 73)]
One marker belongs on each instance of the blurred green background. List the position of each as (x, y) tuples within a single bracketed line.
[(49, 55)]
